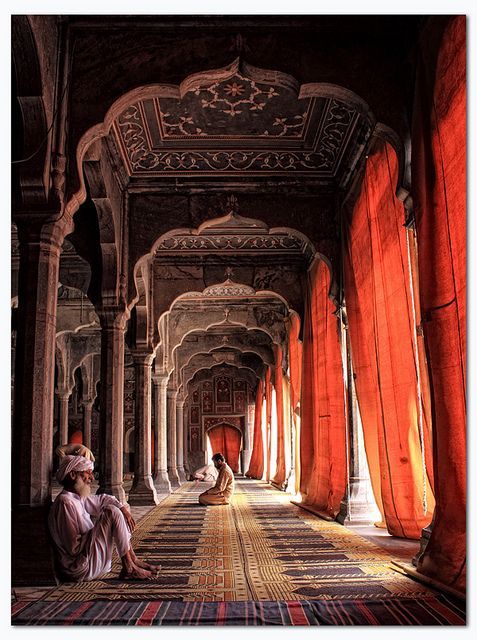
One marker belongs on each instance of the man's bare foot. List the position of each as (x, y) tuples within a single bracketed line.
[(136, 573), (146, 565)]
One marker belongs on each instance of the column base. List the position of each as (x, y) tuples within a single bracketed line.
[(181, 474), (174, 478), (355, 508), (423, 541), (161, 482), (143, 493)]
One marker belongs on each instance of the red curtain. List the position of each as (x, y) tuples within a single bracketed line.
[(380, 315), (268, 428), (281, 472), (227, 441), (439, 194), (323, 420), (295, 358), (255, 469)]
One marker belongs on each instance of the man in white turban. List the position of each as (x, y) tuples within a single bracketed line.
[(84, 528)]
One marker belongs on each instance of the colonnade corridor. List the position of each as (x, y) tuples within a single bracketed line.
[(259, 560)]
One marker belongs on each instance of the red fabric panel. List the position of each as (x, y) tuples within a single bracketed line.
[(295, 358), (255, 469), (227, 441), (439, 192), (379, 306), (323, 420), (268, 399), (280, 473), (76, 437)]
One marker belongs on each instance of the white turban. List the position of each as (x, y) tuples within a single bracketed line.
[(72, 463)]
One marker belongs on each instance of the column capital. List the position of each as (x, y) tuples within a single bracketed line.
[(180, 403), (42, 227), (159, 378), (113, 317), (142, 356), (87, 402), (172, 394)]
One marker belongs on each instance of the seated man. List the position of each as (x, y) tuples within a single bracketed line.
[(208, 473), (223, 489), (84, 527)]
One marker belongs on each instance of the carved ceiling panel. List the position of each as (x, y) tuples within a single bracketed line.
[(239, 120)]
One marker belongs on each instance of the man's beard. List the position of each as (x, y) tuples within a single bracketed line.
[(82, 488)]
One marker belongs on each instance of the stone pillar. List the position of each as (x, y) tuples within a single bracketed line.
[(247, 451), (87, 411), (172, 439), (185, 441), (40, 248), (357, 506), (63, 420), (180, 440), (142, 491), (161, 479), (33, 399), (113, 325)]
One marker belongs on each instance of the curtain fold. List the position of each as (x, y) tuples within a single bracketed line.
[(439, 195), (295, 348), (323, 420), (268, 422), (255, 469), (380, 316), (280, 473)]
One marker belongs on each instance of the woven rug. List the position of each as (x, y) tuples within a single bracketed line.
[(260, 548), (434, 611)]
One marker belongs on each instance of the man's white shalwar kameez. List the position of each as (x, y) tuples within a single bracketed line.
[(83, 530)]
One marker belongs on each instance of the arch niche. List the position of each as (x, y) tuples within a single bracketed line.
[(226, 439)]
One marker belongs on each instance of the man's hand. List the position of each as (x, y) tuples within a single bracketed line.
[(129, 519)]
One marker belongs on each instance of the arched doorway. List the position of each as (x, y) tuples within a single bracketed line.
[(226, 440)]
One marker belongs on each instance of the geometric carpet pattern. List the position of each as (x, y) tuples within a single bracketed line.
[(260, 560), (260, 547)]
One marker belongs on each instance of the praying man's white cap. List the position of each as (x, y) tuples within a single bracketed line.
[(72, 463)]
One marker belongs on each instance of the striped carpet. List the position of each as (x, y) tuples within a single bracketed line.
[(258, 561), (435, 611)]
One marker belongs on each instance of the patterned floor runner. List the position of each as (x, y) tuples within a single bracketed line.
[(435, 611), (261, 559)]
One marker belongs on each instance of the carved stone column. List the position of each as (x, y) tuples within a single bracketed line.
[(172, 439), (113, 325), (63, 400), (180, 440), (87, 411), (161, 479), (142, 491), (40, 248), (357, 505)]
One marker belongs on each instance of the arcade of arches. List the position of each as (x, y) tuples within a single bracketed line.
[(227, 237)]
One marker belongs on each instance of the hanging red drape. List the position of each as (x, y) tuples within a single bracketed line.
[(281, 472), (323, 420), (380, 315), (295, 359), (439, 194), (268, 427), (227, 441), (255, 469)]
